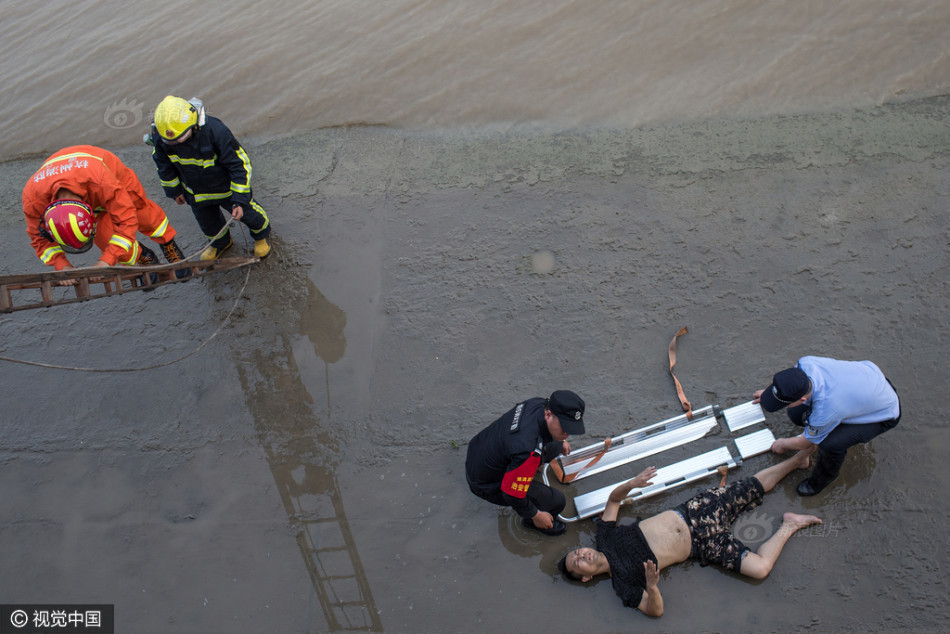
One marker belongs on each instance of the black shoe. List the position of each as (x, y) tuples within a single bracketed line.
[(809, 487), (173, 254), (558, 528), (147, 257)]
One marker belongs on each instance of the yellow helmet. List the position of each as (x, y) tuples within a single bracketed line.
[(174, 116)]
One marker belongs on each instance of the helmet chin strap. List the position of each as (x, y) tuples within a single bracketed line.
[(74, 250)]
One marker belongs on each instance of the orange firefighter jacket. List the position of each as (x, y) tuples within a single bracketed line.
[(111, 190)]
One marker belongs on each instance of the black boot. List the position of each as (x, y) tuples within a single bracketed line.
[(556, 529), (147, 258), (173, 254), (809, 486)]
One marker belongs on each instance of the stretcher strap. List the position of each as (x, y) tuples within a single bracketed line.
[(564, 478), (687, 407)]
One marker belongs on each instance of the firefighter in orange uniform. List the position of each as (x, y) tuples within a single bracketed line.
[(83, 195), (504, 458)]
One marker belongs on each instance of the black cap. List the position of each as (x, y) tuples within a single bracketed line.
[(569, 409), (787, 387)]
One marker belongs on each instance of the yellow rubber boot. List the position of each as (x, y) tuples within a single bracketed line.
[(213, 253), (261, 248)]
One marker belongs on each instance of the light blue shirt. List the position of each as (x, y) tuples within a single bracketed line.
[(852, 392)]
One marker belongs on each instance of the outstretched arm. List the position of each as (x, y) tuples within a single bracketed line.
[(618, 494), (652, 602)]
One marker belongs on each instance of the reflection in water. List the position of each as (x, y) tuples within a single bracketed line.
[(515, 537), (314, 507), (323, 323), (528, 543), (858, 468), (302, 456), (321, 337)]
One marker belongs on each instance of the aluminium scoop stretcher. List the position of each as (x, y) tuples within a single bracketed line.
[(654, 439)]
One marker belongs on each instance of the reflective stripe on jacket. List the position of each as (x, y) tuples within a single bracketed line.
[(100, 180), (209, 166)]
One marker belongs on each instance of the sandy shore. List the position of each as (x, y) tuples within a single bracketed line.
[(304, 471)]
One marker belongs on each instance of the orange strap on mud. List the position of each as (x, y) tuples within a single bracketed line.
[(679, 388), (558, 471), (516, 482)]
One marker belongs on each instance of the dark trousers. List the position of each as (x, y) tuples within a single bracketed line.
[(211, 220), (833, 449), (540, 494)]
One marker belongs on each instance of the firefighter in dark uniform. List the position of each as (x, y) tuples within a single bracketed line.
[(504, 458), (200, 162)]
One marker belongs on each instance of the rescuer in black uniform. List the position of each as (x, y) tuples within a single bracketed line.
[(200, 162), (504, 457)]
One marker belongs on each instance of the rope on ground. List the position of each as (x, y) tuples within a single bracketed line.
[(225, 229), (224, 322)]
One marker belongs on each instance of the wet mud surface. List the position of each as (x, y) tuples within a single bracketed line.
[(304, 470)]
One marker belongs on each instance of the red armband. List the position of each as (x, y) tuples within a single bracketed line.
[(516, 482)]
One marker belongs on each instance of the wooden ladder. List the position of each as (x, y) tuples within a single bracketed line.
[(18, 292)]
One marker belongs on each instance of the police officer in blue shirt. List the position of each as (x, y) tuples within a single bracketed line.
[(839, 403)]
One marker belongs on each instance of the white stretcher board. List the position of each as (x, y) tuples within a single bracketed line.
[(679, 473)]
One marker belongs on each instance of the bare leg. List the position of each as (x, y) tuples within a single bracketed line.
[(758, 565), (771, 476)]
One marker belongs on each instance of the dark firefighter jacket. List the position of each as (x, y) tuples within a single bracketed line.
[(209, 167)]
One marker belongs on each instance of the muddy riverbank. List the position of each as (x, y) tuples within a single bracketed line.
[(304, 470)]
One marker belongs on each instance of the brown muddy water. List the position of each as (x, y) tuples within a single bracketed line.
[(303, 472), (93, 71)]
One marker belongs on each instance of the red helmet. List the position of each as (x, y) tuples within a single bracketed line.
[(71, 223)]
